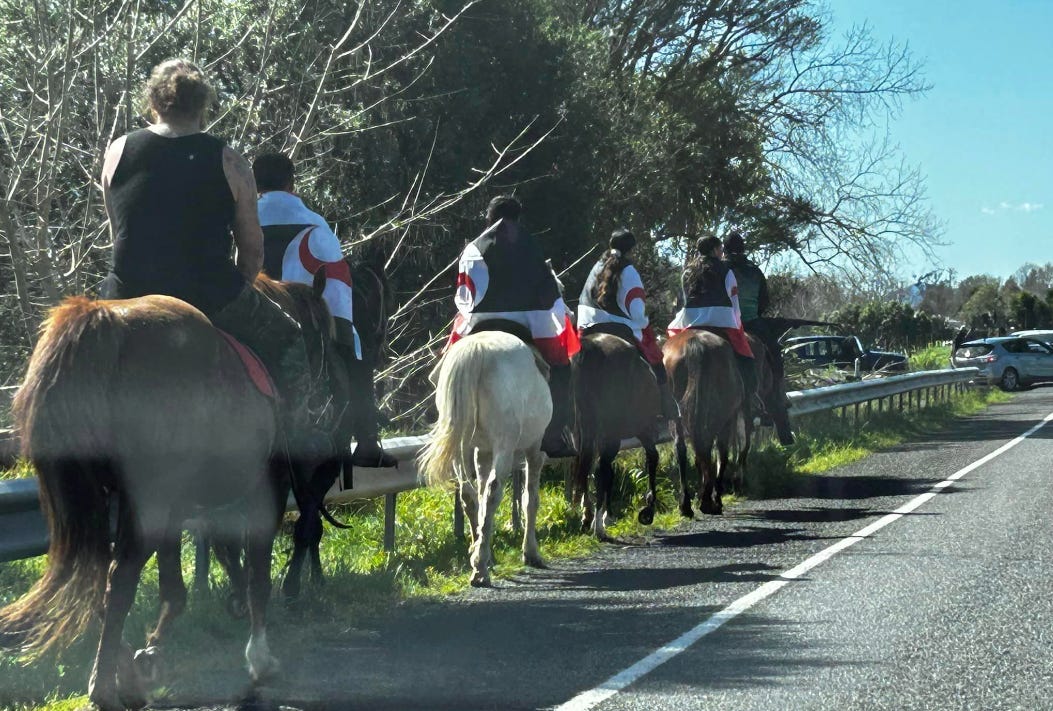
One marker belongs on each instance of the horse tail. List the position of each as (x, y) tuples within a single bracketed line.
[(455, 399), (696, 405), (63, 412)]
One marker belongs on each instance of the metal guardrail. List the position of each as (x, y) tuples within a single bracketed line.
[(23, 534)]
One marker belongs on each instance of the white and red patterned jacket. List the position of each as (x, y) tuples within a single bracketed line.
[(297, 244)]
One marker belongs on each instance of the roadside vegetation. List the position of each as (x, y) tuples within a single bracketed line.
[(364, 581)]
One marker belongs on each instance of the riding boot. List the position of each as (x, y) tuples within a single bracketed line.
[(276, 338), (366, 427), (670, 407), (558, 440)]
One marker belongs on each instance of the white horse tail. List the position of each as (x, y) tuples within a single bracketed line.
[(455, 397)]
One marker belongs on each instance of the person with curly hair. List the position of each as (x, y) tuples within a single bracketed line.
[(178, 200)]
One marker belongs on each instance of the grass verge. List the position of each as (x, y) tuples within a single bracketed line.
[(366, 582)]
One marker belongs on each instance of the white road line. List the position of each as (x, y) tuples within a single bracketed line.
[(593, 697)]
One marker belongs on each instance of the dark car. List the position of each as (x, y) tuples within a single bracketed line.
[(841, 352), (1009, 362)]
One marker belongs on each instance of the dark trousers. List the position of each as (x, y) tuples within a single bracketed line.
[(761, 328)]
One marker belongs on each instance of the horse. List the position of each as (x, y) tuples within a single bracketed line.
[(494, 405), (143, 406), (616, 397), (705, 381), (304, 303), (771, 397)]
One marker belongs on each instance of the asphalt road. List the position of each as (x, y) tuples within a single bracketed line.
[(945, 607)]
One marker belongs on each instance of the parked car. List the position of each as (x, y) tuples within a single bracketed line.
[(841, 352), (1044, 336), (1007, 361)]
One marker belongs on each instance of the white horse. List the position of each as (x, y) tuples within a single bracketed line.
[(494, 405)]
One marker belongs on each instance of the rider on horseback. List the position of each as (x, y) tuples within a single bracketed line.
[(753, 301), (177, 200), (298, 243), (711, 301), (504, 283), (612, 301)]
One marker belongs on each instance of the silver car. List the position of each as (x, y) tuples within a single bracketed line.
[(1008, 361)]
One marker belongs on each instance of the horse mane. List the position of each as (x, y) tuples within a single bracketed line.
[(298, 300)]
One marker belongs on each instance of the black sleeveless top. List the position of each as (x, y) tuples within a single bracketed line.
[(172, 212)]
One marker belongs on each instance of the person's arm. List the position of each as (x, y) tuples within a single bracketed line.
[(472, 280), (248, 237), (109, 168), (635, 295)]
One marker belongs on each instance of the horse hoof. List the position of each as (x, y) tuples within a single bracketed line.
[(105, 699), (237, 607), (481, 581), (686, 511), (263, 669), (149, 663), (646, 516), (535, 561), (711, 508)]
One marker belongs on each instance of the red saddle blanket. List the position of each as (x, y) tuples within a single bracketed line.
[(253, 365)]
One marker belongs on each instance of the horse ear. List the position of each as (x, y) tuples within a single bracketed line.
[(318, 285)]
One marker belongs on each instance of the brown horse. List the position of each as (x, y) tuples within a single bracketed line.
[(616, 397), (769, 399), (705, 381), (143, 406)]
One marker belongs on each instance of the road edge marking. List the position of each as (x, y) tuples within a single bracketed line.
[(593, 697)]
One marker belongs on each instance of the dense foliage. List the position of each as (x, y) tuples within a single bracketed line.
[(671, 117)]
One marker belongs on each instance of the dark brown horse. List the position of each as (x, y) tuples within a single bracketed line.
[(770, 400), (705, 381), (371, 298), (140, 405), (616, 397), (335, 414)]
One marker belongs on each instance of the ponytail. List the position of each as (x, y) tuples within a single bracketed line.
[(605, 291)]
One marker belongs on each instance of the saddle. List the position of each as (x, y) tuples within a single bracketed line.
[(505, 326), (254, 367), (620, 330)]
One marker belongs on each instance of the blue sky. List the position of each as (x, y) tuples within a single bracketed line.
[(983, 135)]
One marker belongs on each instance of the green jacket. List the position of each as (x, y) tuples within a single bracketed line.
[(753, 287)]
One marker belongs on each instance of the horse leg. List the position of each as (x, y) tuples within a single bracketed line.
[(531, 494), (173, 594), (721, 473), (681, 463), (706, 474), (259, 542), (580, 493), (464, 472), (323, 480), (604, 488), (301, 542), (483, 464), (745, 432), (488, 503), (470, 503), (228, 554), (114, 684), (646, 514)]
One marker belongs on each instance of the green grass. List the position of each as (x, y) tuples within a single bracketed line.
[(933, 357), (365, 582)]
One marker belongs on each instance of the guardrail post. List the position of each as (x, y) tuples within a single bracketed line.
[(389, 522), (901, 402), (855, 424)]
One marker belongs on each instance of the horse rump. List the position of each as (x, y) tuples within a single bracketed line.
[(63, 411)]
